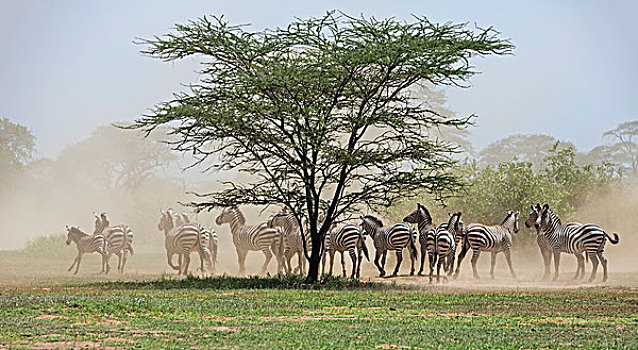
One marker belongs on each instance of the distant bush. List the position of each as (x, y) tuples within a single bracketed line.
[(53, 245)]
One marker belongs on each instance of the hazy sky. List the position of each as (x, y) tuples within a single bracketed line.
[(69, 66)]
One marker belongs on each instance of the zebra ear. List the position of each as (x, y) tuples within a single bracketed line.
[(545, 206), (532, 206)]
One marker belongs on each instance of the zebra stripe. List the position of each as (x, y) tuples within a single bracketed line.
[(494, 239), (180, 240), (444, 238), (86, 244), (396, 237), (252, 238), (119, 239), (589, 238), (545, 247), (348, 238), (421, 216), (293, 243)]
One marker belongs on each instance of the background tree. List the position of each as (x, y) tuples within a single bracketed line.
[(624, 146), (114, 158), (319, 113), (524, 148), (17, 145)]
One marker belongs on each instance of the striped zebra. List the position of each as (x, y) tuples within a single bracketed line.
[(395, 237), (119, 239), (183, 240), (209, 235), (442, 242), (293, 244), (545, 247), (350, 238), (252, 238), (493, 239), (421, 216), (587, 238), (86, 244)]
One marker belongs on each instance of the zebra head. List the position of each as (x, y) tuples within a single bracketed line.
[(547, 220), (166, 221), (511, 220), (533, 216), (371, 225), (229, 214), (455, 225), (68, 235), (420, 216)]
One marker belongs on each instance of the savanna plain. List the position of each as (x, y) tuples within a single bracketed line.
[(44, 307)]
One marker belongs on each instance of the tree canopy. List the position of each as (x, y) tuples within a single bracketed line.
[(531, 148), (322, 113)]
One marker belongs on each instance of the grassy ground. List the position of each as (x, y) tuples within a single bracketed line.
[(45, 310)]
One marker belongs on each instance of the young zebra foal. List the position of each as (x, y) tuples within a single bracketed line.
[(395, 237), (493, 239), (86, 244)]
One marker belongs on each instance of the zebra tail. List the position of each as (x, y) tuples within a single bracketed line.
[(613, 241), (363, 246)]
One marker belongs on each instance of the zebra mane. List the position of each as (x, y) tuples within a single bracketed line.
[(552, 216), (76, 231), (509, 214), (428, 217), (374, 219)]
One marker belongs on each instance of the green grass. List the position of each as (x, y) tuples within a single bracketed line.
[(283, 313)]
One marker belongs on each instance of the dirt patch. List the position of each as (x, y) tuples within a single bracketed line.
[(313, 318), (50, 317), (224, 329), (69, 345), (446, 314), (222, 318), (391, 346)]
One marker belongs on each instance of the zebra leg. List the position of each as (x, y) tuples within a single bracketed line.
[(343, 264), (438, 269), (186, 261), (241, 259), (423, 253), (169, 257), (475, 257), (268, 255), (594, 261), (302, 263), (399, 254), (353, 257), (462, 254), (332, 261), (581, 265), (450, 266), (412, 261), (492, 264), (383, 257), (547, 259), (74, 262), (119, 261), (105, 261), (77, 267), (432, 261), (508, 258), (556, 263), (124, 258), (378, 254), (360, 258), (603, 261)]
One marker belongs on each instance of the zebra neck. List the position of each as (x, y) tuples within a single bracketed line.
[(237, 223)]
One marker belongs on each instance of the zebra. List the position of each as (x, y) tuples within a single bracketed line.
[(252, 238), (86, 244), (589, 238), (293, 244), (119, 239), (209, 235), (442, 245), (350, 238), (183, 240), (546, 249), (395, 237), (421, 216), (492, 239)]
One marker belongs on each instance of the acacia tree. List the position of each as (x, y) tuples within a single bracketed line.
[(624, 146), (321, 113)]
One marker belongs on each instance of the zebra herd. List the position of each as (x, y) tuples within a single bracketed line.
[(281, 237)]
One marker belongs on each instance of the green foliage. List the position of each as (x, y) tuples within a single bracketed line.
[(319, 113), (50, 246), (493, 190)]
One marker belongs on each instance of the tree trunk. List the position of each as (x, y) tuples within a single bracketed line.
[(315, 258)]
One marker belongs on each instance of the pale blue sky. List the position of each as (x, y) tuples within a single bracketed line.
[(69, 66)]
